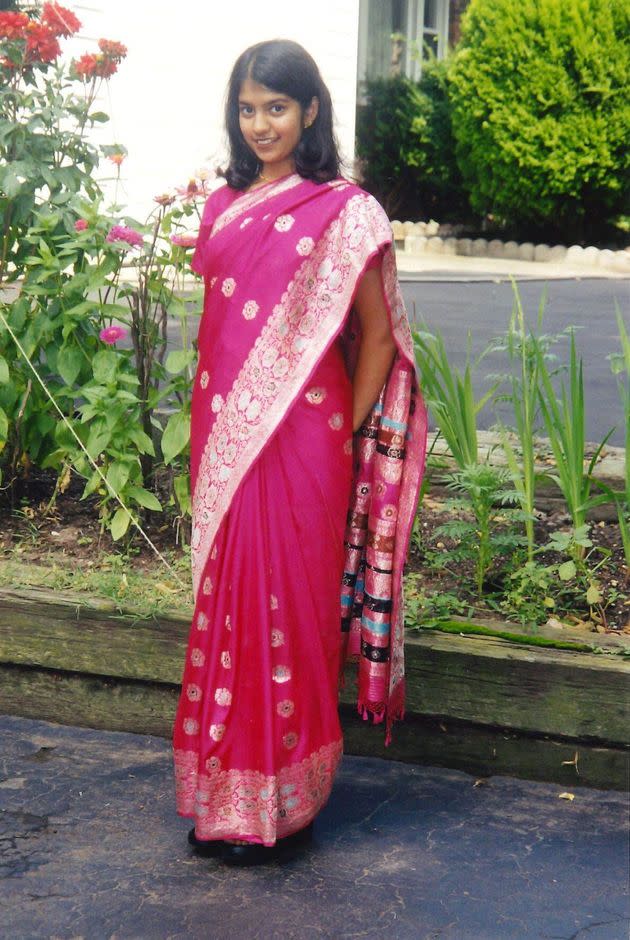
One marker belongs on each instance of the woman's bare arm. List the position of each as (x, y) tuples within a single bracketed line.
[(377, 349)]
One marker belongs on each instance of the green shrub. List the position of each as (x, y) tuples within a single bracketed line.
[(405, 141), (541, 108)]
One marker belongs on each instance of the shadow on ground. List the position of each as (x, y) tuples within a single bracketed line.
[(91, 847)]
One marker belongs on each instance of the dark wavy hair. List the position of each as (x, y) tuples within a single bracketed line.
[(286, 67)]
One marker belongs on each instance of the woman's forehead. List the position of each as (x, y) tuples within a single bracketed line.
[(252, 91)]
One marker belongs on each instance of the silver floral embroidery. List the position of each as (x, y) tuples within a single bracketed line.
[(223, 697), (277, 637), (285, 708), (228, 286), (197, 657), (290, 740), (193, 692), (305, 246), (316, 395), (228, 622), (204, 379), (273, 602), (250, 309), (217, 403), (213, 763), (202, 621), (226, 660), (216, 732), (336, 421), (191, 726), (207, 586), (283, 223), (213, 281), (280, 673), (347, 447)]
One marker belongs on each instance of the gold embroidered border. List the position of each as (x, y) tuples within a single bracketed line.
[(239, 803)]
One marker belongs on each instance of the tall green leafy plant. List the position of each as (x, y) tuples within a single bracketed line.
[(450, 397), (620, 365), (564, 420)]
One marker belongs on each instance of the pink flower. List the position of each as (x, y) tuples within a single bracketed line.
[(121, 233), (164, 199), (184, 241), (111, 334), (80, 225)]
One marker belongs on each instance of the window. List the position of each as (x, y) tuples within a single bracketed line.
[(387, 28)]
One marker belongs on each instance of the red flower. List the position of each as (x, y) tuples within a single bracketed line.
[(116, 158), (94, 66), (41, 44), (80, 225), (111, 334), (112, 50), (13, 25), (60, 21)]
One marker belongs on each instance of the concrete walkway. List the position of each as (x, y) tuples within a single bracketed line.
[(90, 847)]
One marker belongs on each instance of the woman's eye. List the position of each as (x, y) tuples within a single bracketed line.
[(277, 108), (245, 109)]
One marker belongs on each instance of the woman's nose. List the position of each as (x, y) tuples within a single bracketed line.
[(260, 122)]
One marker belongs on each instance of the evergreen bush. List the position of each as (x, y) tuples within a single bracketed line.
[(541, 110), (406, 145)]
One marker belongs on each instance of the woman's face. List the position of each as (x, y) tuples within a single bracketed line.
[(272, 124)]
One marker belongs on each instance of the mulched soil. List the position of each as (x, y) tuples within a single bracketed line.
[(69, 531)]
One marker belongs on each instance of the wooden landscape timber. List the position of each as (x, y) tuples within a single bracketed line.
[(479, 703)]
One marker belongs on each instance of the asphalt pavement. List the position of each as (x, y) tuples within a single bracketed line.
[(91, 849)]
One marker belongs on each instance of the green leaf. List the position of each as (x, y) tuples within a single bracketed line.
[(97, 441), (593, 595), (119, 524), (4, 428), (4, 370), (117, 475), (181, 485), (104, 366), (145, 498), (142, 441), (567, 571), (178, 359), (69, 361), (176, 436)]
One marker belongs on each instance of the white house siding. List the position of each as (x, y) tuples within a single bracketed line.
[(166, 101)]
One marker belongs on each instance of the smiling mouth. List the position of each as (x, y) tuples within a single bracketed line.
[(261, 141)]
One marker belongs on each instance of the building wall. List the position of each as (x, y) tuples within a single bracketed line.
[(456, 9), (166, 101)]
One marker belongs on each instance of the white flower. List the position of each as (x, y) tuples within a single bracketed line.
[(216, 732), (228, 286), (223, 697), (316, 395), (226, 660), (250, 309), (197, 657), (203, 381), (193, 692), (283, 223), (191, 726), (280, 673), (305, 246)]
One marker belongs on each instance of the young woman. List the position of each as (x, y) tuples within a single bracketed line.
[(307, 422)]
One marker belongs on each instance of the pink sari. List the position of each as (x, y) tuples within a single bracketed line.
[(287, 506)]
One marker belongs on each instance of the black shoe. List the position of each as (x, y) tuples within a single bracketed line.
[(254, 853), (207, 848)]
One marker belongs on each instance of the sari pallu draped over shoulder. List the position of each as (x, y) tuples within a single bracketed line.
[(281, 266), (276, 474)]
